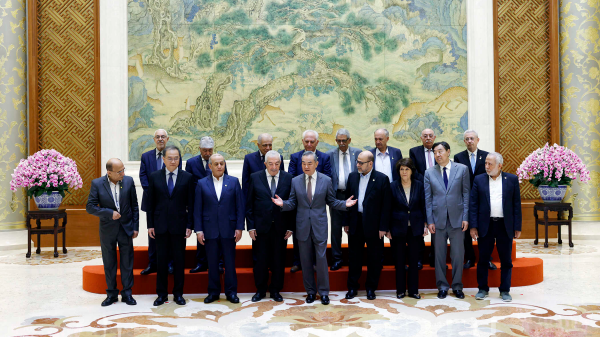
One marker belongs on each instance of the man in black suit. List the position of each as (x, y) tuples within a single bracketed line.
[(269, 227), (170, 219), (113, 199), (368, 222), (255, 161), (474, 159)]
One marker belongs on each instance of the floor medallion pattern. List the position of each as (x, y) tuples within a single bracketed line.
[(527, 246), (46, 257)]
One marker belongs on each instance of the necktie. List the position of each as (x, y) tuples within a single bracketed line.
[(445, 178), (208, 171), (346, 168), (159, 161), (262, 158), (473, 162), (429, 159), (273, 186), (170, 185), (309, 190)]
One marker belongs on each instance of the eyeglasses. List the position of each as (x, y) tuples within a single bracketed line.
[(361, 163), (341, 140), (119, 172), (161, 137)]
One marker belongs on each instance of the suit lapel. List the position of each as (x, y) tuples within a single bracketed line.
[(211, 187), (319, 187), (263, 178), (402, 195), (280, 183), (413, 194), (480, 160), (334, 162), (163, 181), (202, 169), (423, 157), (439, 175), (370, 185), (107, 186), (121, 198), (302, 192), (486, 190), (353, 156), (177, 182), (504, 190), (451, 177)]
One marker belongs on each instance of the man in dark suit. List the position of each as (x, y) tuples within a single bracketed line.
[(268, 226), (368, 222), (170, 216), (219, 211), (113, 199), (152, 161), (310, 140), (343, 162), (255, 161), (198, 166), (474, 159), (495, 218), (385, 156)]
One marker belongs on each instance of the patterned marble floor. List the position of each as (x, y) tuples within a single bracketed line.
[(43, 297)]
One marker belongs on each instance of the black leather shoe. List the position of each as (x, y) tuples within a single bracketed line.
[(198, 269), (160, 300), (371, 295), (492, 266), (420, 265), (277, 297), (310, 298), (336, 265), (325, 300), (295, 269), (459, 294), (468, 264), (128, 300), (149, 270), (415, 296), (171, 268), (442, 294), (258, 296), (179, 300), (211, 298), (400, 295), (233, 299), (351, 294), (109, 300)]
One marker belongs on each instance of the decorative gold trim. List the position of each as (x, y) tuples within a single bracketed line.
[(12, 225)]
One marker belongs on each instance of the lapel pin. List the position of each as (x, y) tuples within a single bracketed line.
[(373, 179), (505, 178), (225, 185), (479, 157)]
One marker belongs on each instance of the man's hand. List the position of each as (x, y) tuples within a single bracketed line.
[(517, 234), (238, 235), (382, 234), (388, 235), (350, 202), (151, 232), (431, 228), (287, 235), (346, 229), (474, 233), (425, 231), (135, 234), (200, 236), (277, 201), (116, 215), (465, 225), (253, 235), (188, 233)]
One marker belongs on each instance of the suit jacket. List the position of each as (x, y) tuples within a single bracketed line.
[(417, 154), (261, 212), (479, 212), (147, 166), (170, 213), (101, 204), (403, 211), (196, 167), (376, 204), (463, 158), (219, 217), (334, 160), (441, 202), (313, 215), (295, 168), (395, 155), (253, 163)]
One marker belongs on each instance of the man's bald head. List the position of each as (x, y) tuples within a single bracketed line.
[(115, 169)]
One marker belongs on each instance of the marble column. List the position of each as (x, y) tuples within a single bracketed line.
[(580, 98)]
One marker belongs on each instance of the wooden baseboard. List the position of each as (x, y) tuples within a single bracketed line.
[(528, 229)]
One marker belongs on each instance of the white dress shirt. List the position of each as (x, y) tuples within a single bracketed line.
[(383, 162), (218, 186), (162, 163), (269, 177), (429, 152), (174, 176), (114, 190), (313, 182), (496, 210), (341, 172), (362, 189)]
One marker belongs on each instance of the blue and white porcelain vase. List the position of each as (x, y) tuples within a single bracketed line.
[(47, 202), (552, 194)]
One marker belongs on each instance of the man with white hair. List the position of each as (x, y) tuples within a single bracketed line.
[(153, 161), (495, 219)]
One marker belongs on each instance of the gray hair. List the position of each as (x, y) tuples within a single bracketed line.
[(470, 131), (216, 154), (387, 133), (310, 153), (272, 154), (343, 132), (207, 142), (262, 136), (313, 131), (165, 131), (497, 156)]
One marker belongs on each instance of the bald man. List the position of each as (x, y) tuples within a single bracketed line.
[(113, 199)]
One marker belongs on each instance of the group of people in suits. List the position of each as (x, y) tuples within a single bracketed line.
[(371, 195)]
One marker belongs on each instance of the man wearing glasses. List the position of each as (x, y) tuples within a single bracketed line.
[(153, 161), (343, 162)]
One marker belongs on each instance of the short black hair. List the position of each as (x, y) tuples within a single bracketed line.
[(444, 144), (408, 163), (172, 147)]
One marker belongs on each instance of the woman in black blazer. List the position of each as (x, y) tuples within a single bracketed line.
[(408, 226)]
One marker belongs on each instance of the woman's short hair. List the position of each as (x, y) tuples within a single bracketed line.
[(408, 163)]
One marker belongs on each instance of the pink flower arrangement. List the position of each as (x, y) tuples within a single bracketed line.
[(552, 165), (44, 172)]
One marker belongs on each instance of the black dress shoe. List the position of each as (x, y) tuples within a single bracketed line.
[(442, 294), (109, 300), (258, 296), (128, 299), (149, 270), (459, 294), (171, 268), (211, 298), (336, 265), (179, 300), (277, 297), (295, 269), (400, 295), (325, 300), (419, 265), (233, 299), (310, 298), (468, 264), (432, 264), (415, 296), (371, 295), (160, 300), (351, 294), (492, 266), (198, 269)]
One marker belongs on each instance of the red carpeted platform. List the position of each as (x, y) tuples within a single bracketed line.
[(526, 271)]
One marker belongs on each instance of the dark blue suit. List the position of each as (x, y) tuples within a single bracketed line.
[(147, 166), (218, 219), (253, 163), (417, 154), (395, 155), (499, 231)]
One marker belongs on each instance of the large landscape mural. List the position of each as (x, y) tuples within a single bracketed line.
[(233, 69)]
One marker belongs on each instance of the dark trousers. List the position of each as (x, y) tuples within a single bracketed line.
[(337, 222), (213, 249), (295, 245), (109, 259), (469, 251), (410, 254), (356, 244), (496, 234), (269, 249), (168, 245)]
